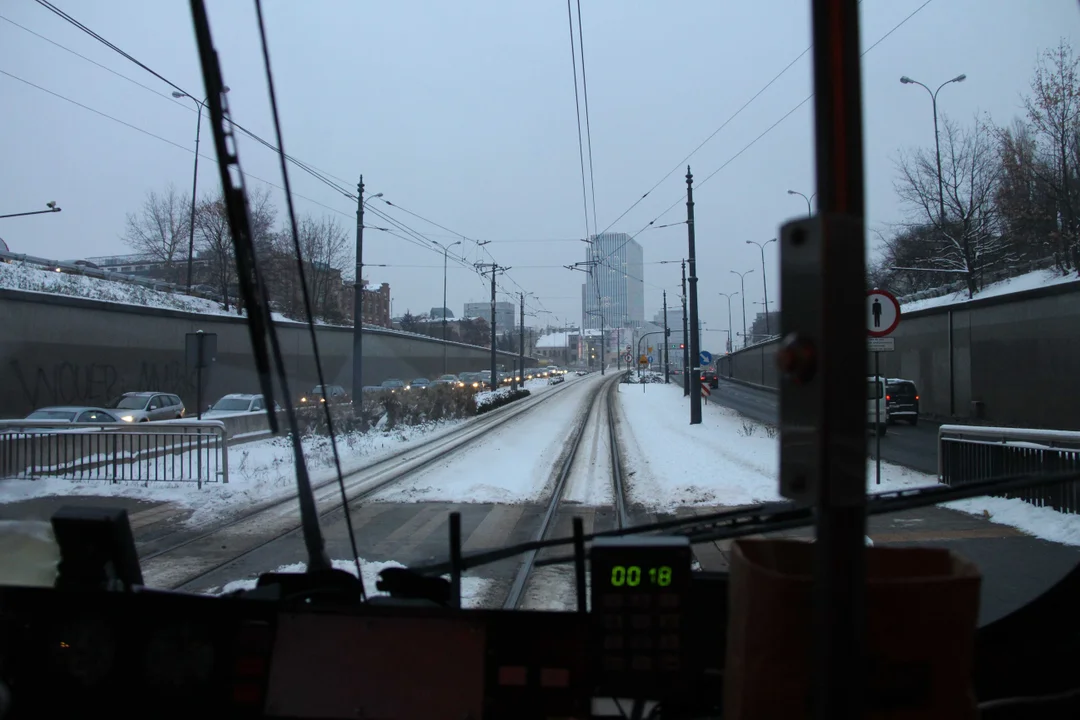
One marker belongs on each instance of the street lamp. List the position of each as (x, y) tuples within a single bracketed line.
[(358, 293), (765, 285), (445, 249), (731, 345), (195, 176), (937, 144), (742, 289), (51, 205), (809, 210)]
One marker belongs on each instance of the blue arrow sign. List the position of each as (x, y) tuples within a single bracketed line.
[(650, 358), (705, 357)]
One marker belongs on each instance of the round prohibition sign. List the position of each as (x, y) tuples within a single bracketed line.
[(882, 313)]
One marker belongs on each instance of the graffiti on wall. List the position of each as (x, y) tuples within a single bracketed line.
[(92, 383)]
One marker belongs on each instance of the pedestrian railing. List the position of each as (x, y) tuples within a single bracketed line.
[(177, 451), (969, 453)]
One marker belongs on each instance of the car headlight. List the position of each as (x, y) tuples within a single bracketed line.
[(128, 418), (303, 399)]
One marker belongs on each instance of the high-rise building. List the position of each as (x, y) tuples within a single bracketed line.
[(615, 288), (505, 313)]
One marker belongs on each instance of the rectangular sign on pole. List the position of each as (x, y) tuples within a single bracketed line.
[(882, 344)]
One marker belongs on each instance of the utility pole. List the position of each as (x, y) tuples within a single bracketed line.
[(358, 299), (495, 270), (587, 266), (521, 350), (685, 344), (667, 334), (695, 338)]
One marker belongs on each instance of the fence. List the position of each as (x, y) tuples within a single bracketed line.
[(170, 451), (969, 453)]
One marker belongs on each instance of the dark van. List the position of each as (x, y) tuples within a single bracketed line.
[(901, 401)]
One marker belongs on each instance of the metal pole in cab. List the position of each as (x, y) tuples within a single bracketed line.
[(695, 347)]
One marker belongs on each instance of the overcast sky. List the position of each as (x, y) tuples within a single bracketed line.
[(463, 113)]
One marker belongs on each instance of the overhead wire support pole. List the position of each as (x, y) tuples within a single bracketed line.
[(667, 334), (695, 336), (495, 270), (685, 339)]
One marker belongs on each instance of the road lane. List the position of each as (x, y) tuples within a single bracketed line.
[(911, 446)]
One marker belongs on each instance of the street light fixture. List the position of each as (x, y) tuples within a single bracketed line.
[(195, 176), (742, 288), (937, 143), (445, 249), (764, 284), (51, 205), (809, 209), (730, 346)]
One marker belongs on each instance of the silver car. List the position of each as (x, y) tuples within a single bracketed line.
[(74, 414), (235, 404), (147, 406)]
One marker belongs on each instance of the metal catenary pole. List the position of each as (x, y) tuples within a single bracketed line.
[(695, 342)]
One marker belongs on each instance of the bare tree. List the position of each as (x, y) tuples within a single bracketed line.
[(324, 250), (214, 238), (1053, 111), (159, 230), (968, 241)]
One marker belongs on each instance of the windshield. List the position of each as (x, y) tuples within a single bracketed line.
[(232, 404), (452, 219), (51, 415)]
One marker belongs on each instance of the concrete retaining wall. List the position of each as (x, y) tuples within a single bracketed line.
[(57, 350), (1012, 360)]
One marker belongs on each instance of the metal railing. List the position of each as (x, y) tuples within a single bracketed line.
[(968, 453), (177, 451)]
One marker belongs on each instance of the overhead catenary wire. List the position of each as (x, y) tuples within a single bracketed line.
[(588, 125), (577, 116), (753, 142)]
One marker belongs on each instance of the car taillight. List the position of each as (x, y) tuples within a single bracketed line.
[(888, 397), (916, 397)]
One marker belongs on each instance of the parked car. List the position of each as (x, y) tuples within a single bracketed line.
[(901, 401), (74, 413), (147, 406), (235, 404), (320, 394)]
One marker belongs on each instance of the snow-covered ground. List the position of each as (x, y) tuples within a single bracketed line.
[(589, 481), (511, 464), (731, 460), (259, 471), (1028, 281), (533, 386), (33, 278), (473, 589)]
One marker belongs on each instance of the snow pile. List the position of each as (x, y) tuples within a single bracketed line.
[(259, 472), (1028, 281), (485, 396), (473, 589), (1041, 522)]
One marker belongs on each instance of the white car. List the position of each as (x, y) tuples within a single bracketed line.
[(235, 404)]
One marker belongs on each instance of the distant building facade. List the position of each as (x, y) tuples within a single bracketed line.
[(615, 289), (505, 313)]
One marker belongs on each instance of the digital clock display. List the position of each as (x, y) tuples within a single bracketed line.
[(640, 592), (647, 576)]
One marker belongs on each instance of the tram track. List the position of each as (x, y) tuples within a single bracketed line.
[(186, 560)]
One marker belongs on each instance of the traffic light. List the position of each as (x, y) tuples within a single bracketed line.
[(682, 346), (667, 332)]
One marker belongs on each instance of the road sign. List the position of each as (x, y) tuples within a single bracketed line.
[(705, 392), (628, 357), (882, 313), (650, 358), (643, 360), (650, 348), (881, 344), (705, 357), (628, 348)]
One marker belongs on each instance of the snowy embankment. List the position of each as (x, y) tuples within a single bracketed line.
[(259, 472), (533, 386), (473, 589), (1027, 281), (731, 460)]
